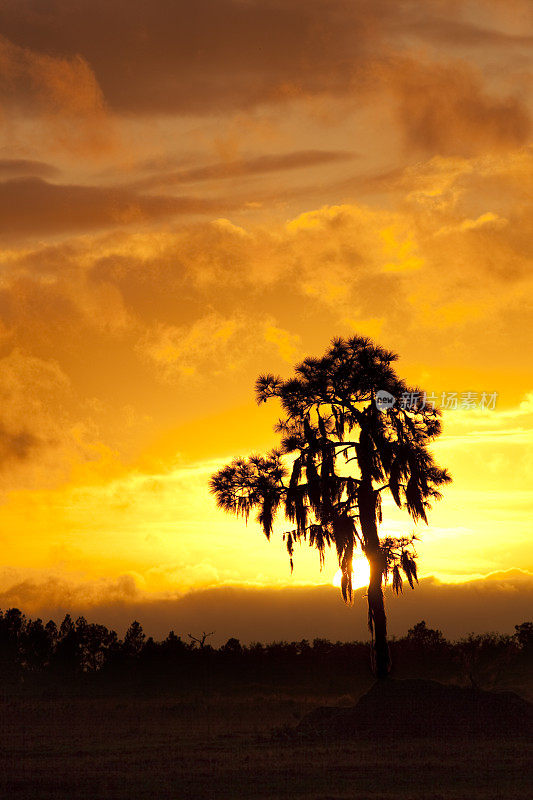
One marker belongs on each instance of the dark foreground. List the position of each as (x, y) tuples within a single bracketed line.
[(234, 747)]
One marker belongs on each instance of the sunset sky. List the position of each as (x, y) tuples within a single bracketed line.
[(195, 193)]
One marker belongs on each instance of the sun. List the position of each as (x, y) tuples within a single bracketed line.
[(360, 574)]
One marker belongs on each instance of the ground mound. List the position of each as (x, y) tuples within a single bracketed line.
[(426, 708)]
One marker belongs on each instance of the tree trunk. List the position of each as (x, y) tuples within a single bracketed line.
[(377, 619)]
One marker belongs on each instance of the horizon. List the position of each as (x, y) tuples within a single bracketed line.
[(300, 611)]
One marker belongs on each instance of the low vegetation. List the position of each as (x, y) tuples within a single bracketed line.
[(77, 654)]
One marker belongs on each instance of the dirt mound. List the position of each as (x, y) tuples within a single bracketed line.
[(394, 708)]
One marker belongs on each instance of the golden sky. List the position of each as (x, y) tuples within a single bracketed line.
[(194, 193)]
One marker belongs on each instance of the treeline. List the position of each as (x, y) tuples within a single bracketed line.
[(79, 653)]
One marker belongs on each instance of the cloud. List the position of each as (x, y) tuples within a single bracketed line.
[(61, 90), (61, 84), (245, 167), (46, 291), (487, 220), (495, 603), (445, 108), (33, 207), (16, 167), (450, 32), (214, 346), (15, 445), (215, 55), (355, 265), (288, 344), (227, 56), (181, 351), (33, 440), (45, 427), (29, 593), (193, 304)]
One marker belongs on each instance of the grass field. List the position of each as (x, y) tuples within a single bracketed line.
[(232, 747)]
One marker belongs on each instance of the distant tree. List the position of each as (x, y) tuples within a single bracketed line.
[(67, 627), (429, 638), (68, 652), (95, 641), (174, 645), (339, 452), (38, 645), (12, 628), (134, 639), (200, 640), (52, 631), (232, 647), (524, 635)]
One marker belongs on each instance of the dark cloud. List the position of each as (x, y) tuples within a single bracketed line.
[(217, 55), (245, 167), (32, 206), (445, 109), (51, 85), (167, 56), (458, 33), (495, 603), (16, 167), (15, 445)]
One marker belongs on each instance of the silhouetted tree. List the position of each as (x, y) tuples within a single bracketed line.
[(134, 639), (339, 452), (12, 627), (232, 647), (200, 640), (524, 635), (95, 642), (429, 638), (82, 654), (67, 655), (38, 645), (174, 645)]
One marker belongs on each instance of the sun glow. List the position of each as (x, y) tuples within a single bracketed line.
[(360, 574)]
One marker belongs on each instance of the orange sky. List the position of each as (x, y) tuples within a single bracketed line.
[(192, 194)]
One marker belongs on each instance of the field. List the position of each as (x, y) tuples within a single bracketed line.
[(217, 746)]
